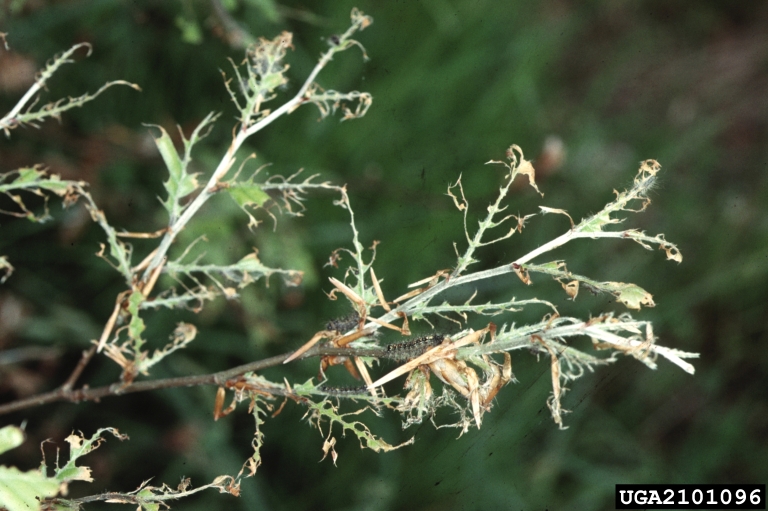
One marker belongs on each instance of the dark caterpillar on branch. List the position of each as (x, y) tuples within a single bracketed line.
[(407, 350), (343, 391), (343, 324)]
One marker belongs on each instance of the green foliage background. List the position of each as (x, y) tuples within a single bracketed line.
[(454, 83)]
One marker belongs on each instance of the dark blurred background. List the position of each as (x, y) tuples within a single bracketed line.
[(587, 89)]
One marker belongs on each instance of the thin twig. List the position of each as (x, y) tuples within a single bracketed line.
[(87, 356)]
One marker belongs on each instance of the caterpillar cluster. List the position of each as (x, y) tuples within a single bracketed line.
[(343, 324), (343, 391), (407, 350)]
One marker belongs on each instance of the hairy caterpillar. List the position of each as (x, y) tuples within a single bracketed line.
[(412, 348), (343, 324), (343, 391)]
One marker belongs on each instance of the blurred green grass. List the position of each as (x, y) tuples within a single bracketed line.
[(454, 83)]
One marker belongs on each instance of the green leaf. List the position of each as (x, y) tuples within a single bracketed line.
[(137, 326), (29, 175), (552, 267), (248, 194), (10, 437), (634, 297), (190, 30), (251, 263), (22, 491), (168, 152), (80, 446), (272, 81), (74, 473), (180, 183), (55, 185), (147, 505), (596, 222)]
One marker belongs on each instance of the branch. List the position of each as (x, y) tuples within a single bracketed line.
[(244, 132), (15, 117), (117, 389), (589, 228)]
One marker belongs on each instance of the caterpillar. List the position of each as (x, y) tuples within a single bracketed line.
[(412, 348), (343, 391), (592, 289), (343, 324)]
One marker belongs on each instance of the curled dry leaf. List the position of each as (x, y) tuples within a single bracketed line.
[(329, 445), (522, 272), (673, 254), (523, 166), (545, 210), (571, 288)]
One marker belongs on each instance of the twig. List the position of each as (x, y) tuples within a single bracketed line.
[(87, 356), (28, 354)]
